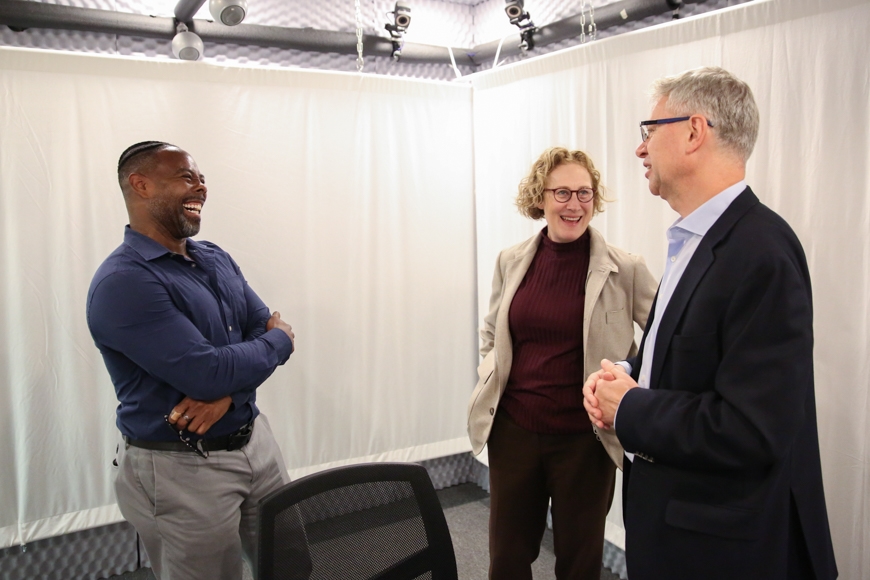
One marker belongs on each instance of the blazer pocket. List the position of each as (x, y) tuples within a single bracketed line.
[(617, 316), (728, 522)]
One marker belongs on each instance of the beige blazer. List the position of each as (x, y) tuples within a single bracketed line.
[(619, 293)]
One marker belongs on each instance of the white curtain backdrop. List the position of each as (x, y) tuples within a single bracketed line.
[(369, 211), (807, 62), (347, 200)]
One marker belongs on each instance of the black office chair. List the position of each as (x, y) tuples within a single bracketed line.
[(370, 521)]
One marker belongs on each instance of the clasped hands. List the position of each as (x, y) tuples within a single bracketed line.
[(603, 392)]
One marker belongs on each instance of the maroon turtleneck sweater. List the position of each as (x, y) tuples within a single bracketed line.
[(544, 390)]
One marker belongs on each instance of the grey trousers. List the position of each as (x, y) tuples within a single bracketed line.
[(197, 516)]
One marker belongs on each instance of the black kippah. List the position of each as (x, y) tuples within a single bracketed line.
[(134, 150)]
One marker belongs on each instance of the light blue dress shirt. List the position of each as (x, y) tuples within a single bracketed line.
[(684, 236)]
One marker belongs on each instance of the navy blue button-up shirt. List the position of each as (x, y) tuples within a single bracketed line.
[(168, 326)]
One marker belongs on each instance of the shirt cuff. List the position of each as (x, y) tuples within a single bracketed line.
[(281, 343)]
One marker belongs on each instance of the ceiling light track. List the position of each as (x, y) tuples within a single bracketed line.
[(23, 14)]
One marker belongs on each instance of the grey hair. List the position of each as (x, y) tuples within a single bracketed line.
[(717, 94)]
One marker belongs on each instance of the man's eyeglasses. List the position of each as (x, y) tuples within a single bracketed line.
[(194, 446), (644, 125), (562, 194)]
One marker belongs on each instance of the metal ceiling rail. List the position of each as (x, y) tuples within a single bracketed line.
[(23, 14), (605, 17)]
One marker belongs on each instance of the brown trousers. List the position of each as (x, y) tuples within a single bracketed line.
[(526, 471)]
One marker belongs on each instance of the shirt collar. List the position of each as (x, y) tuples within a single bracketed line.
[(703, 218), (150, 249)]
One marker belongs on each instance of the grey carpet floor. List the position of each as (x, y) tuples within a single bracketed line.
[(466, 508)]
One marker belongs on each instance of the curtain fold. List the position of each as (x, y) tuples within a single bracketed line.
[(347, 201)]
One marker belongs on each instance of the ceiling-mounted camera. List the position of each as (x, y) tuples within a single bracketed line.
[(519, 17), (397, 28)]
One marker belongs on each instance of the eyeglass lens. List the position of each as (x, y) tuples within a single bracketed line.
[(563, 195)]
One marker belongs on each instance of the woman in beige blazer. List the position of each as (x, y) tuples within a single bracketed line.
[(561, 301)]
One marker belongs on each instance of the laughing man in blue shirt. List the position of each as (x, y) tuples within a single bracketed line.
[(186, 342)]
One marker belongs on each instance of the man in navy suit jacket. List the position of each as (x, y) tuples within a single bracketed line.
[(717, 411)]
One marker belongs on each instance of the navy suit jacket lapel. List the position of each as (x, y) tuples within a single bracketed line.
[(701, 261)]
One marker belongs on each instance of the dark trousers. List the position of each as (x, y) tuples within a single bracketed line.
[(528, 470)]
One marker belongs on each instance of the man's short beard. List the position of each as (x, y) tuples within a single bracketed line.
[(173, 220), (188, 228)]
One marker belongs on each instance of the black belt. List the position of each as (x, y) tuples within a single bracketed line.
[(229, 442)]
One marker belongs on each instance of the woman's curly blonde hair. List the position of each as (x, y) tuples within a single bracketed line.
[(531, 188)]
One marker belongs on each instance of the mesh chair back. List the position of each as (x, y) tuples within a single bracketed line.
[(361, 522)]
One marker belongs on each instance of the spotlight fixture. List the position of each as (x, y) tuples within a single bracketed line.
[(186, 45), (228, 12), (518, 16), (676, 5), (401, 21)]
